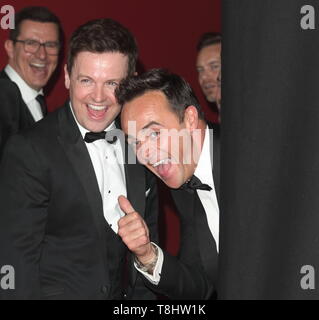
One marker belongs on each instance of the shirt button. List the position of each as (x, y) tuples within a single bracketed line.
[(104, 289)]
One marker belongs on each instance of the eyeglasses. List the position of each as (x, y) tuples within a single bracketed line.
[(32, 46)]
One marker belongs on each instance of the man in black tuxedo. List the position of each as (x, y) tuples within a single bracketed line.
[(60, 180), (33, 49), (163, 122)]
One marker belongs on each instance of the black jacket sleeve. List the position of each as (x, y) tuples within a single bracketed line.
[(10, 106), (23, 199)]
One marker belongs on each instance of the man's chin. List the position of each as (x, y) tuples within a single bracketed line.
[(37, 85), (172, 184)]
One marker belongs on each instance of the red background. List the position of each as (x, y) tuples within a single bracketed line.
[(166, 31)]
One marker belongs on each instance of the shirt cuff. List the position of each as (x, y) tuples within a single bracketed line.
[(156, 276)]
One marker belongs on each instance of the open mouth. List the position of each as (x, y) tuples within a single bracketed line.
[(38, 65), (163, 167), (209, 86), (38, 68), (96, 111)]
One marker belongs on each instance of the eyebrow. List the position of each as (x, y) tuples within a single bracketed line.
[(83, 76), (145, 127), (108, 80), (150, 124)]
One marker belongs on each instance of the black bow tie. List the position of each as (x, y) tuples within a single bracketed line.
[(93, 136), (195, 184)]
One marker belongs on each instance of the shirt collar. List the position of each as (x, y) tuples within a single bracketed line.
[(204, 161), (84, 130), (28, 94)]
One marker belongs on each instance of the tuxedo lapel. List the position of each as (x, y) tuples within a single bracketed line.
[(74, 147), (134, 176), (184, 201), (26, 119), (27, 115), (206, 242), (191, 208), (135, 188), (3, 75)]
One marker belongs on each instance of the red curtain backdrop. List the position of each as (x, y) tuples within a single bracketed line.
[(166, 31)]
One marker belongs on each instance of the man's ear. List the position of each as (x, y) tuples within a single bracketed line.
[(9, 47), (191, 118), (66, 77)]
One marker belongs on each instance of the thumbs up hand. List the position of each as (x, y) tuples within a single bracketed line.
[(134, 232)]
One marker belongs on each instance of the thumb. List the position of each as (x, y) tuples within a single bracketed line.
[(125, 205)]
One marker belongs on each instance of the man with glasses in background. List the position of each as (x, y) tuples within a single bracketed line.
[(33, 50)]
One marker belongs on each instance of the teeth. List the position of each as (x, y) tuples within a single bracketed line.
[(38, 65), (97, 108), (164, 161)]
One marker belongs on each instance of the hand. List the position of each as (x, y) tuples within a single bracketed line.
[(134, 232)]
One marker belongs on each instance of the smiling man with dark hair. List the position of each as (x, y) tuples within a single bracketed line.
[(33, 50), (173, 140), (60, 181)]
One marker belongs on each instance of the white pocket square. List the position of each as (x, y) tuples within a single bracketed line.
[(147, 192)]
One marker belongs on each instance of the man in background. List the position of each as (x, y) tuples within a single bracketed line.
[(33, 50), (208, 66)]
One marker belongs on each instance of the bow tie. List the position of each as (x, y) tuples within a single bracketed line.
[(93, 136), (195, 184)]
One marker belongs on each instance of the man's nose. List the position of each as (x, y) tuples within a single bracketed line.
[(209, 74), (147, 153), (41, 53), (99, 94)]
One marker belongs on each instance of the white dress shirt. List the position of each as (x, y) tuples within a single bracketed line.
[(28, 94), (208, 199), (108, 164)]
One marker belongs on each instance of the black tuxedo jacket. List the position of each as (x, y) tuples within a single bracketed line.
[(193, 274), (52, 227), (14, 113)]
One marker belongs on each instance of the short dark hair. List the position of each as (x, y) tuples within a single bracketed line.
[(103, 35), (208, 39), (177, 91), (37, 14)]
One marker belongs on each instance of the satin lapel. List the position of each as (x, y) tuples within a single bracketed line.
[(135, 179), (135, 188), (189, 205), (76, 151), (206, 242), (3, 75), (184, 202), (28, 116)]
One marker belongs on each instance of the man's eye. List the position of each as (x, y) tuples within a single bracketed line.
[(112, 83), (31, 42), (51, 45), (215, 66), (85, 81), (154, 134), (133, 143)]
